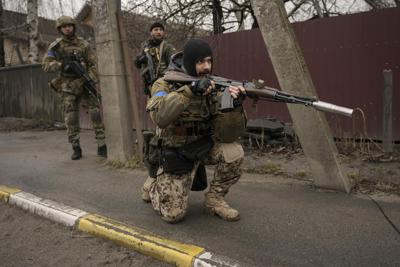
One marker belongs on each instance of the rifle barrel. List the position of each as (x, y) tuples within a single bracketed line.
[(328, 107)]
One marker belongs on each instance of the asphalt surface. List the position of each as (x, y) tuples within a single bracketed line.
[(284, 222)]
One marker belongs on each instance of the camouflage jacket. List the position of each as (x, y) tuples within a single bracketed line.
[(62, 48), (181, 117)]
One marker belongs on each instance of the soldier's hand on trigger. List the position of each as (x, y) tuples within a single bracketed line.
[(204, 86), (236, 91), (140, 60)]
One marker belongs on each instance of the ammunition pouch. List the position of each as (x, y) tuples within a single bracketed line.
[(151, 154), (229, 126), (174, 162), (197, 150), (74, 87), (181, 160)]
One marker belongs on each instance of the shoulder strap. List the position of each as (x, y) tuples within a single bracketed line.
[(160, 57), (55, 44)]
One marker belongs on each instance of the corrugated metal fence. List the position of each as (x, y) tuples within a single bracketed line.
[(24, 93), (346, 56)]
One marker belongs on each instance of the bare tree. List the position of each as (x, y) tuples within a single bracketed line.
[(217, 16), (221, 16), (378, 4), (33, 30)]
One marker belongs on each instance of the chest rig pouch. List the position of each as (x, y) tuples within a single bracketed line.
[(181, 160)]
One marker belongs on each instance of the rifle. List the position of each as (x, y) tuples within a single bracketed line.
[(148, 73), (73, 65), (257, 91)]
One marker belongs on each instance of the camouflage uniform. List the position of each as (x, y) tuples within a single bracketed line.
[(160, 52), (70, 86), (183, 118)]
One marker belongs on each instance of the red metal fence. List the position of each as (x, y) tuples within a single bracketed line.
[(345, 55)]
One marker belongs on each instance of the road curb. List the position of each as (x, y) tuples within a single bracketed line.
[(163, 249)]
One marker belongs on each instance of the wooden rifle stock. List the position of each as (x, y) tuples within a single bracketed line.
[(258, 91)]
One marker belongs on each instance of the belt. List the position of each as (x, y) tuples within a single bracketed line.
[(190, 131)]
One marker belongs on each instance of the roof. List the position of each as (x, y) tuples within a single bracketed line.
[(83, 12), (47, 31)]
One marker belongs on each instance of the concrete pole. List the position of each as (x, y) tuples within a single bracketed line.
[(114, 90), (131, 86), (387, 111), (293, 76)]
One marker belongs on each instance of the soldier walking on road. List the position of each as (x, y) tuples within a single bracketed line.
[(193, 131), (70, 86), (153, 62)]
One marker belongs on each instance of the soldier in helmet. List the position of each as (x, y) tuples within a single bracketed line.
[(153, 61), (193, 131), (70, 86)]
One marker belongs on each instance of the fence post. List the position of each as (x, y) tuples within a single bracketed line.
[(387, 135)]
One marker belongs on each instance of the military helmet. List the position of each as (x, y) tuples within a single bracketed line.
[(65, 20)]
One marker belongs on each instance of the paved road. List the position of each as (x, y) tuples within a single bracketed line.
[(283, 222)]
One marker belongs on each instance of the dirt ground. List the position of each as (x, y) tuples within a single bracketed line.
[(52, 244)]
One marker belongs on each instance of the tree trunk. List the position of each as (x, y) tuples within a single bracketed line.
[(217, 16), (318, 8), (33, 32), (2, 54)]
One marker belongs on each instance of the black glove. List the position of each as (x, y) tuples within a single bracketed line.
[(140, 60), (200, 86), (67, 67), (237, 102)]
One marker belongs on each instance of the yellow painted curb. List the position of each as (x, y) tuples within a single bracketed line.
[(6, 191), (165, 250)]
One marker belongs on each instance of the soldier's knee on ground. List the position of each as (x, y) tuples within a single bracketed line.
[(174, 217)]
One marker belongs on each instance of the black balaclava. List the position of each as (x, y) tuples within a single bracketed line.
[(193, 51)]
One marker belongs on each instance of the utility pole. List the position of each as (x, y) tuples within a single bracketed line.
[(33, 31), (115, 94), (291, 70)]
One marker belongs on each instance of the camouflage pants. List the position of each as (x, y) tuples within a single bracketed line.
[(169, 193), (71, 104)]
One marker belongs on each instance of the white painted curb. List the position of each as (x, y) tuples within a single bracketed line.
[(49, 209), (208, 259), (69, 216)]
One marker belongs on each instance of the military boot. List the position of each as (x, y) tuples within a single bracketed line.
[(146, 189), (102, 151), (77, 154), (216, 205)]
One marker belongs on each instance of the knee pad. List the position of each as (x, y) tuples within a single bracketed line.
[(232, 152)]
